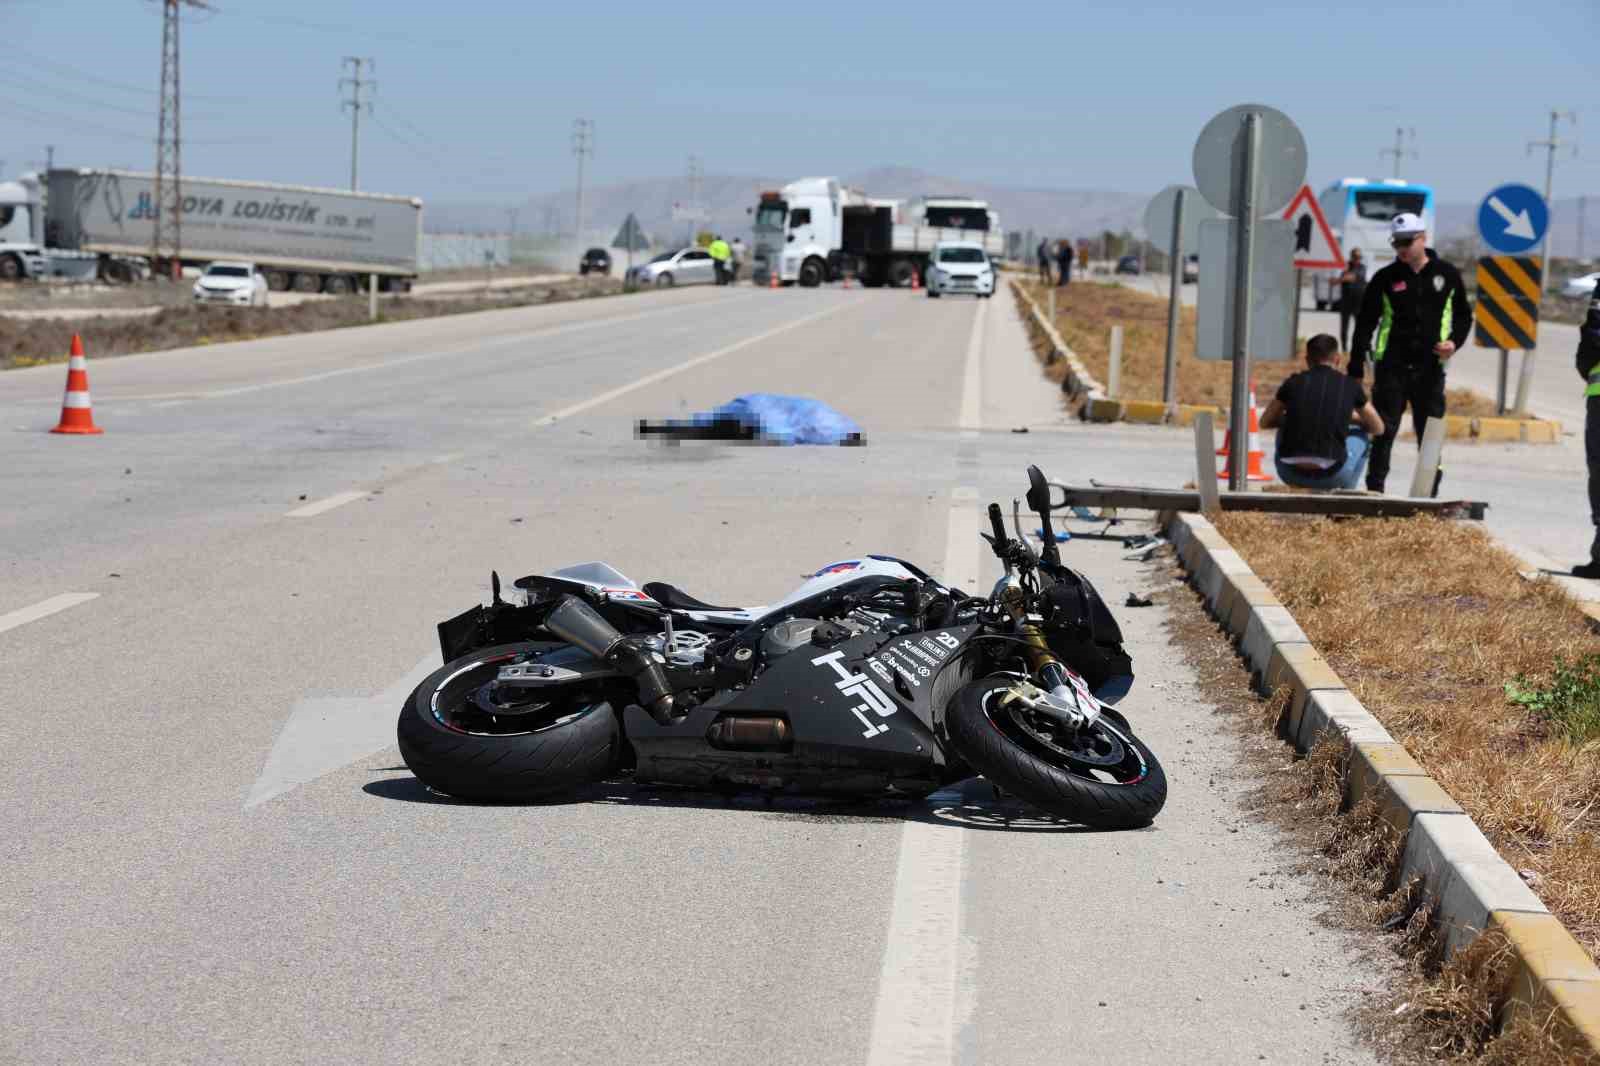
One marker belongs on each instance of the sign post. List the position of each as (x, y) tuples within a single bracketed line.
[(1512, 219), (1172, 220), (1248, 161)]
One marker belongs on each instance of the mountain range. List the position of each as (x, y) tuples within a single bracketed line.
[(1073, 213)]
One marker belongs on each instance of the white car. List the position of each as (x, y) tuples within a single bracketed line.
[(682, 266), (959, 266), (1582, 287), (233, 284)]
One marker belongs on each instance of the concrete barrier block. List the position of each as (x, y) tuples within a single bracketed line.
[(1145, 412), (1214, 565), (1266, 628), (1201, 539), (1300, 667), (1187, 413), (1337, 711), (1401, 799), (1491, 430), (1100, 408), (1576, 1006), (1463, 873), (1541, 431), (1545, 951), (1371, 762), (1240, 594)]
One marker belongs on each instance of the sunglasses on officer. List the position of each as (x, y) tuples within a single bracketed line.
[(1404, 240)]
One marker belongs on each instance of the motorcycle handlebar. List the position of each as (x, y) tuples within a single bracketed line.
[(998, 525)]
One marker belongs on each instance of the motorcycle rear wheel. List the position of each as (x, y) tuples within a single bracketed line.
[(547, 742), (1093, 777)]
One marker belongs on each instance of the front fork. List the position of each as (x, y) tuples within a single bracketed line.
[(1058, 693)]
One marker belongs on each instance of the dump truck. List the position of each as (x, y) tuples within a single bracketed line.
[(817, 229), (102, 222)]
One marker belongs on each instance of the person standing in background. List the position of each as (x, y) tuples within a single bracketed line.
[(1064, 263), (1044, 261), (1352, 288)]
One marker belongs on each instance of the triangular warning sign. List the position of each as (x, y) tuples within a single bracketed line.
[(1315, 247), (630, 236)]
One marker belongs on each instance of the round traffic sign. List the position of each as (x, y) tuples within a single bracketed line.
[(1513, 218), (1219, 159), (1158, 217)]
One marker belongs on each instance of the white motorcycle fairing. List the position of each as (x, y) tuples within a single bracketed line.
[(611, 582)]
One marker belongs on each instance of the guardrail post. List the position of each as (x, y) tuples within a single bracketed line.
[(1205, 478), (372, 297), (1114, 373)]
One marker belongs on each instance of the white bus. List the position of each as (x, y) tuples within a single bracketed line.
[(1359, 211)]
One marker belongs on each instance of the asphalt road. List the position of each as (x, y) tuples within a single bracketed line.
[(209, 850)]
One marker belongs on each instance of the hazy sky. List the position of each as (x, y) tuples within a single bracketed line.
[(476, 98)]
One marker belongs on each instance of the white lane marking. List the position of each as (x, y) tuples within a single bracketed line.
[(972, 378), (311, 510), (325, 734), (919, 986), (44, 609), (661, 375), (173, 398)]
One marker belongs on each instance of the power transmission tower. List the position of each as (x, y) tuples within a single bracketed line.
[(356, 84), (1400, 151), (582, 146), (166, 244), (1551, 145)]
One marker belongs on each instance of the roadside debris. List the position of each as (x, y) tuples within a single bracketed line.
[(1136, 600), (761, 418)]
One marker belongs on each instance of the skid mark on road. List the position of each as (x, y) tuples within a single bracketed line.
[(325, 734), (44, 609), (699, 360), (311, 510)]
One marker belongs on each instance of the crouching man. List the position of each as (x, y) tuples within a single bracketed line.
[(1324, 421)]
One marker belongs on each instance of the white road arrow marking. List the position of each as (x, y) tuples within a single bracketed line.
[(1517, 225), (326, 733)]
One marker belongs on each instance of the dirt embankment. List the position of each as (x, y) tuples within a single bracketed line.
[(1085, 313), (28, 342)]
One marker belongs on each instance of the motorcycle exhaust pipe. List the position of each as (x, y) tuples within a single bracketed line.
[(582, 626)]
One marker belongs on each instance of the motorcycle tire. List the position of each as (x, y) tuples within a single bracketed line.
[(573, 742), (1127, 795)]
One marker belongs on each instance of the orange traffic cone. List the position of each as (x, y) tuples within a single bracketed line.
[(847, 279), (916, 280), (772, 276), (77, 414), (1254, 456)]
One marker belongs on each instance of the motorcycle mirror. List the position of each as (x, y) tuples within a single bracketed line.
[(1038, 492), (494, 584)]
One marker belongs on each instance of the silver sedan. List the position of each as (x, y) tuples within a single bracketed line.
[(685, 266)]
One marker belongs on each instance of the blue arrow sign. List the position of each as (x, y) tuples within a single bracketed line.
[(1513, 219)]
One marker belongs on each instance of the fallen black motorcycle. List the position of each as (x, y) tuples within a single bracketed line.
[(870, 679)]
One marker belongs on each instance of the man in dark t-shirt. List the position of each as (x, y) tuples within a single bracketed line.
[(1323, 418)]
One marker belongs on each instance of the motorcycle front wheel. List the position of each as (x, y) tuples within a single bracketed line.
[(1101, 776), (464, 736)]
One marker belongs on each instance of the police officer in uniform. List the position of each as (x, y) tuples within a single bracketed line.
[(1589, 366), (1413, 318)]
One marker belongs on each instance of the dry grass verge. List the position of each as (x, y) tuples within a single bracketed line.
[(1085, 313), (29, 342), (1429, 1011), (1427, 622)]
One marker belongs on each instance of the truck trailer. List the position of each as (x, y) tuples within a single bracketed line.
[(817, 229), (301, 238)]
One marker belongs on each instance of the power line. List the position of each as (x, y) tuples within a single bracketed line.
[(82, 75), (102, 105)]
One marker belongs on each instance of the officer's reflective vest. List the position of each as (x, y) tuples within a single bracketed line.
[(1594, 383)]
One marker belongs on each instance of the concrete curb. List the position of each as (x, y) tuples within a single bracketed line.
[(1471, 887), (1099, 407)]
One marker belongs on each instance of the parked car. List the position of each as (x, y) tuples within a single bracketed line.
[(234, 284), (1581, 287), (595, 261), (1191, 268), (685, 266), (1129, 264), (959, 266)]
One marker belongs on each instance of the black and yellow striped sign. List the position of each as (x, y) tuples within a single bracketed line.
[(1508, 302)]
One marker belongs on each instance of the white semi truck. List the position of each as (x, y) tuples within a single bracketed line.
[(818, 229), (100, 223)]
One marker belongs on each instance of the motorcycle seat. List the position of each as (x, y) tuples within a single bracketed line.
[(675, 598)]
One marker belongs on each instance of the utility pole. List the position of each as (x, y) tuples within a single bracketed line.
[(582, 147), (1551, 145), (1399, 151), (511, 240), (356, 84), (166, 243), (697, 173), (1583, 202)]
